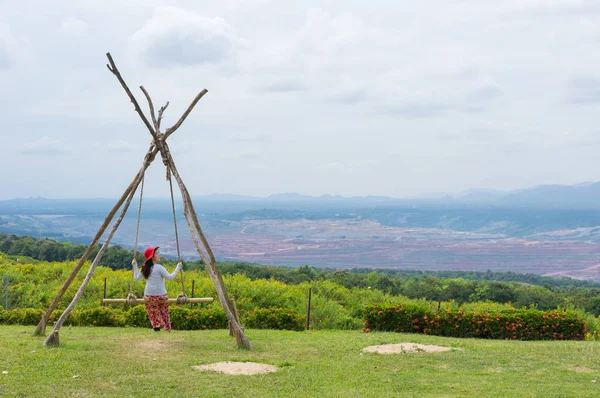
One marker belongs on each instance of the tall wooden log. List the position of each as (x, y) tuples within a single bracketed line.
[(41, 327), (209, 261), (52, 339)]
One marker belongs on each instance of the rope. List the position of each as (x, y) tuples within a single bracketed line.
[(131, 299), (137, 230), (182, 299), (175, 224)]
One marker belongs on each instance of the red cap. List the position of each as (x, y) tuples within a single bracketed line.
[(149, 252)]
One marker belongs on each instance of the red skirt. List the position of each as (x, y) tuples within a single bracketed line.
[(158, 311)]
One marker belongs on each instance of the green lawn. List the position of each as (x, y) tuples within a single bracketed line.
[(122, 362)]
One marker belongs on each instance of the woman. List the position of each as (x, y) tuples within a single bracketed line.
[(155, 293)]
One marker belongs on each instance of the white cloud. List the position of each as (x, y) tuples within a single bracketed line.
[(5, 61), (251, 138), (9, 47), (118, 146), (561, 7), (348, 97), (282, 86), (45, 146), (73, 26), (329, 51), (175, 37), (584, 90)]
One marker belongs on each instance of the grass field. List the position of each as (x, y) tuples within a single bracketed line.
[(130, 362)]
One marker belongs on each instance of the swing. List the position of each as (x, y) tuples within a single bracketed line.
[(158, 145), (182, 298)]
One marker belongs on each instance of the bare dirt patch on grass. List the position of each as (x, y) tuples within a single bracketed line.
[(238, 368), (148, 348), (581, 369), (153, 345), (406, 348)]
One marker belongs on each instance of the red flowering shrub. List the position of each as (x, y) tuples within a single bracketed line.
[(514, 324)]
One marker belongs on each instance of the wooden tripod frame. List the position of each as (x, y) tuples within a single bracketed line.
[(159, 144)]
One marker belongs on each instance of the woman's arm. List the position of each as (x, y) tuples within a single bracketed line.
[(137, 275), (165, 274)]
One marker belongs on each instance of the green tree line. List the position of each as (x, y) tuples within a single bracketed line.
[(521, 290)]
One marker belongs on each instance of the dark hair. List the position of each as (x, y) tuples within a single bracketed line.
[(147, 268)]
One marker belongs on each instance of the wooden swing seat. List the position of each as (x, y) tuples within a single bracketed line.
[(170, 301)]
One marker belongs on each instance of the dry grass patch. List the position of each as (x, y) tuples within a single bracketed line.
[(580, 369), (238, 368), (406, 348)]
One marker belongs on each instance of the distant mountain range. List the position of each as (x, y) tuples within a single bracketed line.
[(585, 195), (580, 196)]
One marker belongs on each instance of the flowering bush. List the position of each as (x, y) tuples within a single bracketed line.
[(274, 318), (516, 324), (593, 335), (194, 319)]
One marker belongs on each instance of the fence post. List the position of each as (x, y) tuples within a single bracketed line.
[(192, 304), (104, 305), (6, 289), (308, 311)]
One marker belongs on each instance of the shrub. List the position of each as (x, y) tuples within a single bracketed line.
[(181, 318), (136, 316), (22, 316), (101, 316), (56, 314), (518, 324), (275, 318), (194, 319)]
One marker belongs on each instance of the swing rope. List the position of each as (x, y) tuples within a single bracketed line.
[(137, 229), (131, 299), (182, 298)]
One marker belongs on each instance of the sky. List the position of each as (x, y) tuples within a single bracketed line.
[(339, 97)]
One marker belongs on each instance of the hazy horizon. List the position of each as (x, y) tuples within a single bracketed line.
[(432, 194)]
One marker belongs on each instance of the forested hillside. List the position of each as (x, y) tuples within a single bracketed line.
[(519, 290)]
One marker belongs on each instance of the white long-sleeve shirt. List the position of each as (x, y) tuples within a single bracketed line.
[(155, 284)]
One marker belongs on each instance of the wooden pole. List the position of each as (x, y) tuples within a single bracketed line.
[(308, 311), (237, 316), (41, 327), (52, 339), (6, 291), (235, 310), (195, 231), (104, 289), (191, 305)]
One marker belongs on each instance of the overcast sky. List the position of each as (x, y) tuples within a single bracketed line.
[(316, 97)]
